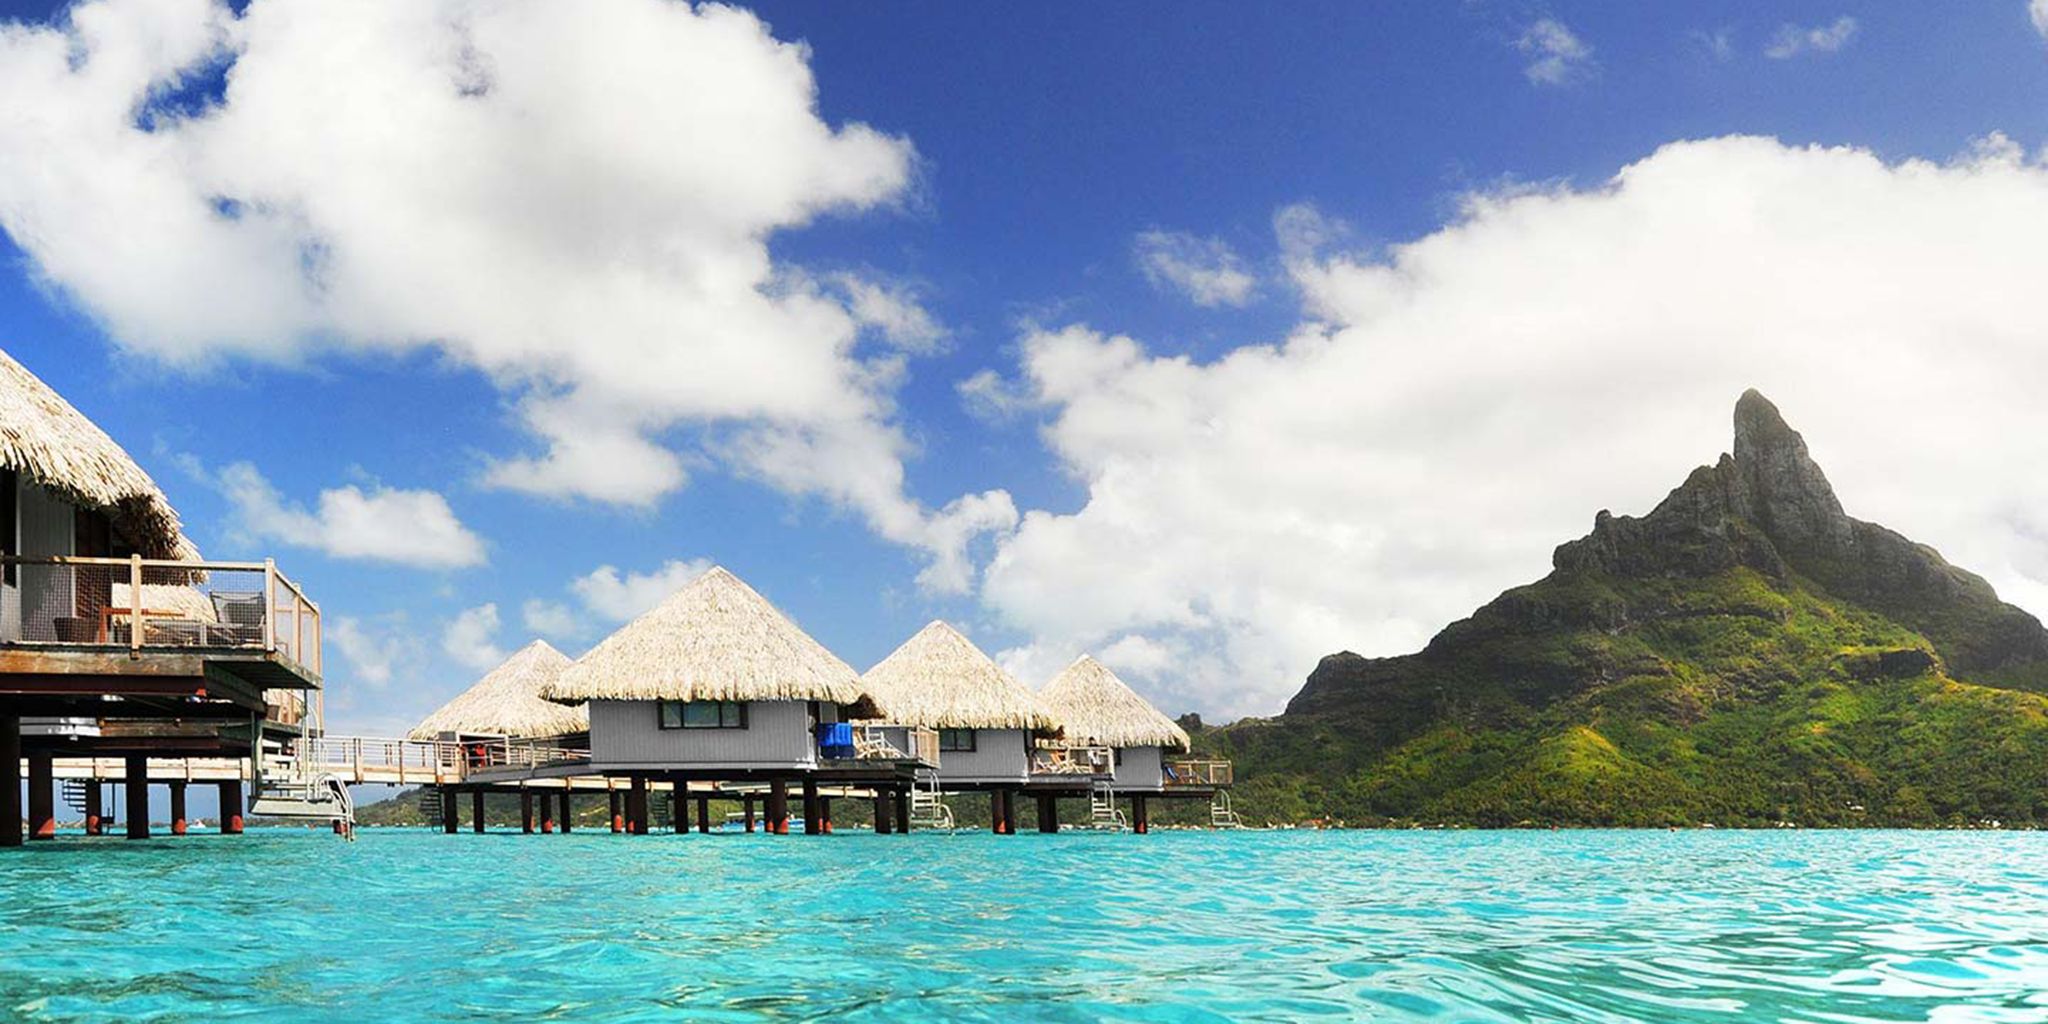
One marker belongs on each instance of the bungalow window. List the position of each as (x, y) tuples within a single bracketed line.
[(1116, 755), (958, 740), (703, 714)]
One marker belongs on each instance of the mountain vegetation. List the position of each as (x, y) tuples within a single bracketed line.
[(1745, 654)]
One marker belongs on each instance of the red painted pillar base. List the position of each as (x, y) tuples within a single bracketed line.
[(747, 806), (636, 806), (778, 807), (618, 814), (1141, 820)]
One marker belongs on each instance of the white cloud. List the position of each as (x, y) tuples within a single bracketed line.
[(1718, 44), (2037, 11), (617, 597), (415, 528), (374, 650), (1794, 40), (1557, 55), (551, 618), (470, 638), (1205, 270), (576, 202), (1454, 407)]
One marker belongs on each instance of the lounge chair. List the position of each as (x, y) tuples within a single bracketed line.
[(240, 615)]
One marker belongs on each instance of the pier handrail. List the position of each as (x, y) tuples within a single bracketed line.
[(366, 758)]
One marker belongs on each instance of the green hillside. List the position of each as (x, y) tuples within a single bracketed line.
[(1746, 654)]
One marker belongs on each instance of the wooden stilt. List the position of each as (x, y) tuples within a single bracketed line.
[(1048, 813), (778, 807), (231, 807), (885, 813), (10, 780), (703, 815), (618, 815), (476, 810), (42, 796), (812, 820), (451, 810), (825, 815), (568, 812), (137, 781), (747, 806), (1141, 820), (636, 805), (177, 808), (547, 813), (526, 811), (94, 810), (903, 812), (996, 811)]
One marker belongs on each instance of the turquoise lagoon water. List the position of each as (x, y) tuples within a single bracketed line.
[(1580, 926)]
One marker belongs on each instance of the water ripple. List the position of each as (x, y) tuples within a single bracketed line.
[(1573, 926)]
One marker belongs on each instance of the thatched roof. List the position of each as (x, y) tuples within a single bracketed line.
[(938, 679), (1097, 707), (715, 639), (507, 701), (52, 444), (187, 602)]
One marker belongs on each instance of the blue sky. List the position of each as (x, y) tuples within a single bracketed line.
[(1025, 156)]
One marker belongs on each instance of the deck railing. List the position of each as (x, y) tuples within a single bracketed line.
[(881, 741), (359, 758), (1072, 759), (1197, 772), (143, 603)]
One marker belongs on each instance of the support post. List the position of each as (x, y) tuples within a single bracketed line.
[(825, 815), (885, 808), (704, 815), (231, 807), (138, 796), (778, 807), (747, 806), (177, 808), (568, 810), (618, 815), (636, 806), (42, 795), (476, 811), (547, 814), (451, 810), (811, 819), (10, 791), (1048, 813), (526, 811), (94, 808), (1141, 820), (903, 812)]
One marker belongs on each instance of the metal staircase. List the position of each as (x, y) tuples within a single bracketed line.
[(928, 802), (74, 794), (430, 804), (1102, 809), (1220, 814), (293, 786)]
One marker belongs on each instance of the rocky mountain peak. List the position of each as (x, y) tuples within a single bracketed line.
[(1778, 485)]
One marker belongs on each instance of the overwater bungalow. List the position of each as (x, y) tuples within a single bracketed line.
[(122, 652), (716, 686), (503, 721), (1097, 707), (994, 735)]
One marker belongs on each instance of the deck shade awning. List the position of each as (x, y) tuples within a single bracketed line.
[(715, 639), (1097, 707), (507, 701), (939, 679), (52, 444)]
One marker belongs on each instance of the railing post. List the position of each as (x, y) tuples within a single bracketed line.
[(270, 604), (134, 601)]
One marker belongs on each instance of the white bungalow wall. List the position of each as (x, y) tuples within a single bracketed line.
[(1139, 768), (999, 755), (44, 525), (628, 734)]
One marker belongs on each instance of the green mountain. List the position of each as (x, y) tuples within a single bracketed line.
[(1746, 654)]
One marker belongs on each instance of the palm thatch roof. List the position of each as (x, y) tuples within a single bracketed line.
[(715, 639), (1097, 707), (507, 701), (189, 603), (52, 444), (938, 679)]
